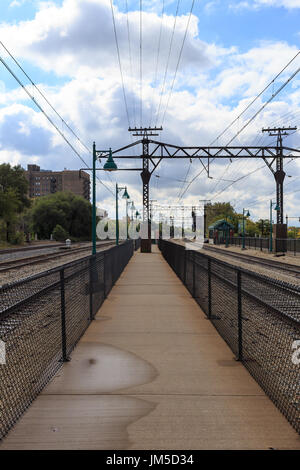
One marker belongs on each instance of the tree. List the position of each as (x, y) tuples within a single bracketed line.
[(13, 195), (263, 227), (221, 210), (73, 213), (251, 228), (59, 233)]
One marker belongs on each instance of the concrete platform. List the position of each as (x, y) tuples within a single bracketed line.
[(151, 372)]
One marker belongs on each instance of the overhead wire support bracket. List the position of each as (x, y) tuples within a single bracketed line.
[(145, 131), (279, 173)]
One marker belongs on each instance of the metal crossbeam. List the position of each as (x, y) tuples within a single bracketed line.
[(212, 152), (153, 152)]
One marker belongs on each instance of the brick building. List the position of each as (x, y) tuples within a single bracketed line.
[(45, 182)]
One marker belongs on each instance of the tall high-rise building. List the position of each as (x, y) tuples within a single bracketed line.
[(45, 182)]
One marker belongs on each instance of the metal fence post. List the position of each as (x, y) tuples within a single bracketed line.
[(104, 276), (240, 319), (209, 286), (91, 287), (194, 280), (184, 266), (63, 317)]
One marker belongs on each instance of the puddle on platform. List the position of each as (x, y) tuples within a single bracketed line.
[(101, 368), (76, 422)]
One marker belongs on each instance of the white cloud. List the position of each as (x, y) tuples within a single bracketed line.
[(214, 84), (16, 3), (79, 35), (257, 4)]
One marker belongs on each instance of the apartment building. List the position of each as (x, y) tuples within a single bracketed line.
[(45, 182)]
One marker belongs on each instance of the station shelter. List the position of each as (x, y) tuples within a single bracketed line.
[(219, 230)]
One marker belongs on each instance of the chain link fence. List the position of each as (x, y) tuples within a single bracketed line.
[(290, 246), (43, 317), (257, 316)]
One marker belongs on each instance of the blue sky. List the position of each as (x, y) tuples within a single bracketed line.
[(232, 51)]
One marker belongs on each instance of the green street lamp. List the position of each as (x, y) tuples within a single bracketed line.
[(246, 213), (276, 208), (125, 196), (110, 164), (137, 216), (110, 167)]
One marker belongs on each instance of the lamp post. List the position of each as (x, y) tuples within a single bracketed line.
[(109, 166), (277, 208), (125, 196), (244, 216), (132, 208)]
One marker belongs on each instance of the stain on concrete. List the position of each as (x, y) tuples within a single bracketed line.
[(98, 368)]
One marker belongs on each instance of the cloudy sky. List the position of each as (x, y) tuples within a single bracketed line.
[(192, 72)]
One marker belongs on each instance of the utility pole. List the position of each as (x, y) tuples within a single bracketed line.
[(145, 132), (205, 202), (279, 174), (171, 226)]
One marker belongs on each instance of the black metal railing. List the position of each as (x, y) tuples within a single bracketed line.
[(137, 244), (286, 245), (255, 243), (257, 316), (43, 317)]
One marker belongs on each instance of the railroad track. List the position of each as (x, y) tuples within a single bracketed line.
[(31, 248), (291, 269), (42, 258)]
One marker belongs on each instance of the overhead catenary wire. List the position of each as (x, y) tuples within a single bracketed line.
[(45, 98), (119, 60), (130, 57), (141, 63), (178, 62), (249, 120), (48, 118), (36, 87), (157, 58), (167, 64), (255, 99)]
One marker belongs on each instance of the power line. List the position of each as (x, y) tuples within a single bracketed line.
[(44, 97), (48, 117), (178, 62), (251, 119), (262, 107), (130, 57), (141, 63), (255, 99), (157, 59), (119, 60), (167, 63)]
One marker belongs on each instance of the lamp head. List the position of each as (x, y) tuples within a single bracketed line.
[(110, 164), (126, 195)]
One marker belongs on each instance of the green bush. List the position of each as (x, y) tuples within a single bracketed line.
[(17, 238), (60, 234)]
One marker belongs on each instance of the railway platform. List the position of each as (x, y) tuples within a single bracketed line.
[(151, 372)]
